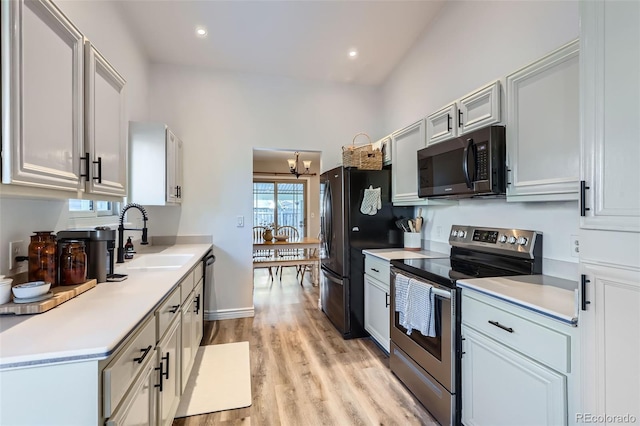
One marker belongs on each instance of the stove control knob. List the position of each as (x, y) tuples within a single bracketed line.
[(511, 240), (502, 238), (454, 233), (461, 234), (522, 241)]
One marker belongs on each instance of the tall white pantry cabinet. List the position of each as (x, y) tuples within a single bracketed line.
[(610, 211)]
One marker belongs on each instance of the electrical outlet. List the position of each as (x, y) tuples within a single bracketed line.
[(17, 248), (438, 231), (240, 222), (575, 246)]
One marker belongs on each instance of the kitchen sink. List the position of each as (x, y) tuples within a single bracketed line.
[(159, 261)]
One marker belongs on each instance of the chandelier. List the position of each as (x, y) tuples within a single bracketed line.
[(294, 163)]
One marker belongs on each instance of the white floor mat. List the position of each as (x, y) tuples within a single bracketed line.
[(220, 380)]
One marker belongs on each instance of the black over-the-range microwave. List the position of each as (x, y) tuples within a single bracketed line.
[(468, 166)]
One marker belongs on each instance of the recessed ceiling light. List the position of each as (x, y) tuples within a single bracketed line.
[(201, 31), (353, 53)]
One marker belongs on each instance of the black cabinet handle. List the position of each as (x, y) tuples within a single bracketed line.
[(143, 356), (583, 289), (374, 270), (85, 175), (386, 300), (448, 122), (583, 198), (176, 193), (459, 118), (497, 324), (159, 385), (99, 163), (166, 372), (174, 309), (179, 191), (197, 304)]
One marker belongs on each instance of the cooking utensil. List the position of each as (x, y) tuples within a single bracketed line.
[(419, 220), (412, 226), (400, 225)]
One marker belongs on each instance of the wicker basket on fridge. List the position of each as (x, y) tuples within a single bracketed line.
[(363, 157)]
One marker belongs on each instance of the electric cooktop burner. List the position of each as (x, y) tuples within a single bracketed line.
[(479, 253)]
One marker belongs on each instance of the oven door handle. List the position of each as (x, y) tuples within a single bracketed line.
[(442, 293)]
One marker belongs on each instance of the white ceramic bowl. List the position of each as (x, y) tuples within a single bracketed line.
[(5, 290), (281, 237), (31, 289)]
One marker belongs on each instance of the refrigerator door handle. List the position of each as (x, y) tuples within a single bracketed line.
[(329, 276)]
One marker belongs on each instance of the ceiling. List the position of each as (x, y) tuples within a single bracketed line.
[(300, 39)]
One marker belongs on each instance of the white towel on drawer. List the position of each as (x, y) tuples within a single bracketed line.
[(420, 310), (401, 296)]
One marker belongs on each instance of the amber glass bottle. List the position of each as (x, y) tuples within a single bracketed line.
[(73, 263), (42, 257)]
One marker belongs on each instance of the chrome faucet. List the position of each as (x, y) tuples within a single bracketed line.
[(121, 229)]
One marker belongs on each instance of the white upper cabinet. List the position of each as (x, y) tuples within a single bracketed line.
[(155, 171), (42, 96), (174, 168), (543, 129), (441, 125), (610, 88), (105, 125), (478, 109), (405, 144)]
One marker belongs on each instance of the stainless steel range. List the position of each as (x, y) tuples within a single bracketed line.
[(430, 366)]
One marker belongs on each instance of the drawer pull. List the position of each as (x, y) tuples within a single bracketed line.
[(497, 324), (143, 356), (386, 300), (198, 305), (374, 270), (174, 309), (166, 372), (159, 385)]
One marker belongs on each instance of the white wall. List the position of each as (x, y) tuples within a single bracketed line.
[(102, 23), (468, 45), (221, 117)]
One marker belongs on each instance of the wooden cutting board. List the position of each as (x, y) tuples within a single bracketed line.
[(60, 295)]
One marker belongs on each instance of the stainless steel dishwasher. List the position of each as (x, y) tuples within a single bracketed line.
[(208, 260)]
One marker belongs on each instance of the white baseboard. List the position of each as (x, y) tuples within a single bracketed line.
[(229, 314)]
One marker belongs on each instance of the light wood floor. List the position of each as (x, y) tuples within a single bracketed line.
[(303, 372)]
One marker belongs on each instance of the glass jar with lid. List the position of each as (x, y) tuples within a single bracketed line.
[(73, 262), (42, 257)]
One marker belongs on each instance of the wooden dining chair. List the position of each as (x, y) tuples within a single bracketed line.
[(311, 254), (259, 255), (292, 234)]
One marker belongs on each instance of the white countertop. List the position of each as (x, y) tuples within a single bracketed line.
[(399, 253), (91, 325), (549, 296)]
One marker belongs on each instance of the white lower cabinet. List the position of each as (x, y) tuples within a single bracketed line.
[(377, 299), (518, 367), (611, 335), (503, 387), (188, 338), (168, 367), (376, 310), (139, 405)]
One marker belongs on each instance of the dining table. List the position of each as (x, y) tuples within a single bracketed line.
[(308, 243)]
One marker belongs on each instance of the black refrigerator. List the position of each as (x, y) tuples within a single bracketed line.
[(345, 232)]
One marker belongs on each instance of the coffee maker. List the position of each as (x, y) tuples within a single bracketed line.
[(99, 245)]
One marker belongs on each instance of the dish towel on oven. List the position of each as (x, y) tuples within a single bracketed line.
[(415, 305), (371, 202)]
